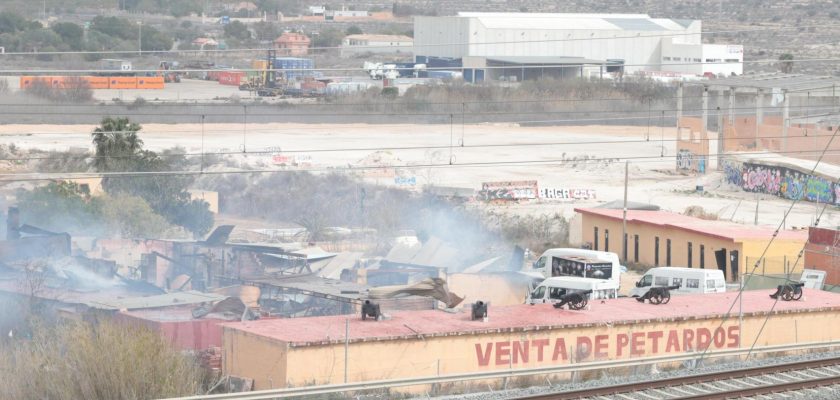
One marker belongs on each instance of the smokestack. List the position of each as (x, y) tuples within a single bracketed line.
[(13, 224)]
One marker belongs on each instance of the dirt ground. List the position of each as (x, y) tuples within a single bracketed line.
[(491, 152)]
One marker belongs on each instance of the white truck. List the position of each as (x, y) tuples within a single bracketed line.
[(579, 269), (690, 280)]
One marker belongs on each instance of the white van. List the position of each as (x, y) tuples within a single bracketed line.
[(551, 289), (690, 280), (570, 262)]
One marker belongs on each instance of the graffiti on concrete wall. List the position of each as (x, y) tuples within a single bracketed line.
[(567, 194), (688, 161), (781, 181), (515, 190)]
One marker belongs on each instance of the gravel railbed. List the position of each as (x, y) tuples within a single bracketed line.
[(832, 392)]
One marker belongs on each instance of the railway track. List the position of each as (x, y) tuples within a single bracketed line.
[(754, 381)]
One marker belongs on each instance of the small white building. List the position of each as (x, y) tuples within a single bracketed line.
[(378, 44), (700, 59)]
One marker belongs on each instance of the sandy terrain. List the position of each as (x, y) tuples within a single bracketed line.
[(547, 149)]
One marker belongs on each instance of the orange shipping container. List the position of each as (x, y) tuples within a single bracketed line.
[(26, 81), (150, 82), (56, 81), (122, 82), (97, 82)]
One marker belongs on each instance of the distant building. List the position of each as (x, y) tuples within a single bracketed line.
[(344, 14), (516, 46), (292, 44), (822, 252), (662, 238), (317, 10), (204, 43), (378, 44)]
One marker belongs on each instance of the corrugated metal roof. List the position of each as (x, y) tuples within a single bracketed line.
[(414, 324), (163, 300)]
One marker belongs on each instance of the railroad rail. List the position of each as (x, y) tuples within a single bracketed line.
[(738, 383)]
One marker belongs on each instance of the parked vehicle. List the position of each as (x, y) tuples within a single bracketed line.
[(580, 263), (813, 278), (689, 280), (551, 290)]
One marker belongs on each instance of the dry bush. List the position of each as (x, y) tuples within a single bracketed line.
[(699, 212), (74, 90), (79, 360)]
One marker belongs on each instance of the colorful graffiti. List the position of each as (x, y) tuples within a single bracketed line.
[(567, 194), (689, 161), (780, 181)]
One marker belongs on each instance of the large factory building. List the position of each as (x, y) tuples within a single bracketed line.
[(517, 46)]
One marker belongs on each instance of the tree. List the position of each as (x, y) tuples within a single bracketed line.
[(353, 30), (155, 40), (237, 30), (113, 26), (98, 361), (116, 142), (70, 33), (329, 37), (786, 63), (12, 23), (265, 30), (120, 149)]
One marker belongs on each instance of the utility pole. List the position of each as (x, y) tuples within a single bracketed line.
[(624, 217), (346, 345), (139, 37)]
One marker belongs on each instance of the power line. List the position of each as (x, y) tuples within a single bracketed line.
[(373, 149), (769, 243), (714, 111), (638, 36), (552, 162)]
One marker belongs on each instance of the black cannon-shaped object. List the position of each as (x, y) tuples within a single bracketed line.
[(371, 310), (658, 294), (788, 292), (576, 300), (479, 310)]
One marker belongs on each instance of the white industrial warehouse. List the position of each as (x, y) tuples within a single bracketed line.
[(517, 46)]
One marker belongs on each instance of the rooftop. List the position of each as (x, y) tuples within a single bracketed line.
[(556, 21), (720, 229), (419, 324)]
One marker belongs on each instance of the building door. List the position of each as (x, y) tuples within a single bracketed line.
[(606, 240), (636, 248), (624, 248), (689, 255), (656, 252), (667, 252), (596, 238), (733, 263), (720, 259)]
